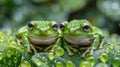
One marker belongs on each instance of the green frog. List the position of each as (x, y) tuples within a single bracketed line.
[(39, 36), (81, 35)]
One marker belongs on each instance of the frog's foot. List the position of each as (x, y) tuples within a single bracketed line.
[(68, 50), (48, 48), (100, 47), (30, 51), (90, 53), (73, 49), (84, 54), (33, 48)]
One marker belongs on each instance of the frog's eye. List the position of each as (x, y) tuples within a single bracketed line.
[(86, 27), (31, 26), (54, 25), (62, 26)]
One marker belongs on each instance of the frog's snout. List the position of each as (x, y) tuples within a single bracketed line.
[(43, 29), (72, 30)]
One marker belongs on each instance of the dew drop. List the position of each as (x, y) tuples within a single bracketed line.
[(84, 64), (25, 64), (59, 51), (116, 62), (69, 64), (13, 44), (51, 56), (107, 50), (101, 65), (103, 57), (44, 59), (59, 64), (91, 60), (111, 46)]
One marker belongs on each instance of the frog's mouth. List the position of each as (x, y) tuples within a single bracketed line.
[(42, 40), (83, 41)]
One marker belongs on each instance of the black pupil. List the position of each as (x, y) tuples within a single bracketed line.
[(86, 27), (61, 26), (55, 26), (30, 25)]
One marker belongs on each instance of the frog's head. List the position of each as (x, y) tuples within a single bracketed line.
[(77, 32), (43, 32), (41, 28), (76, 27)]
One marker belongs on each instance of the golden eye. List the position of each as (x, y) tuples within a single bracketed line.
[(31, 25), (86, 27), (54, 25), (62, 26)]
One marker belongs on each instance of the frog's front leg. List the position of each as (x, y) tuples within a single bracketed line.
[(97, 43), (66, 46), (27, 44), (57, 48), (84, 54), (49, 47)]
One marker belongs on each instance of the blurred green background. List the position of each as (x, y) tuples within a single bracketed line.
[(102, 13)]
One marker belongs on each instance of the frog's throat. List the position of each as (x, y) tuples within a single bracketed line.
[(42, 40), (78, 40)]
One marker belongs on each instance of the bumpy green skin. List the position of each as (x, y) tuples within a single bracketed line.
[(42, 33), (77, 37)]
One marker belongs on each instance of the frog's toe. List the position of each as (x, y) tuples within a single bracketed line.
[(82, 56), (100, 48), (75, 50), (71, 54), (90, 54)]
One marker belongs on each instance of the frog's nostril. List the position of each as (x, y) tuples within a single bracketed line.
[(43, 29), (72, 30)]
